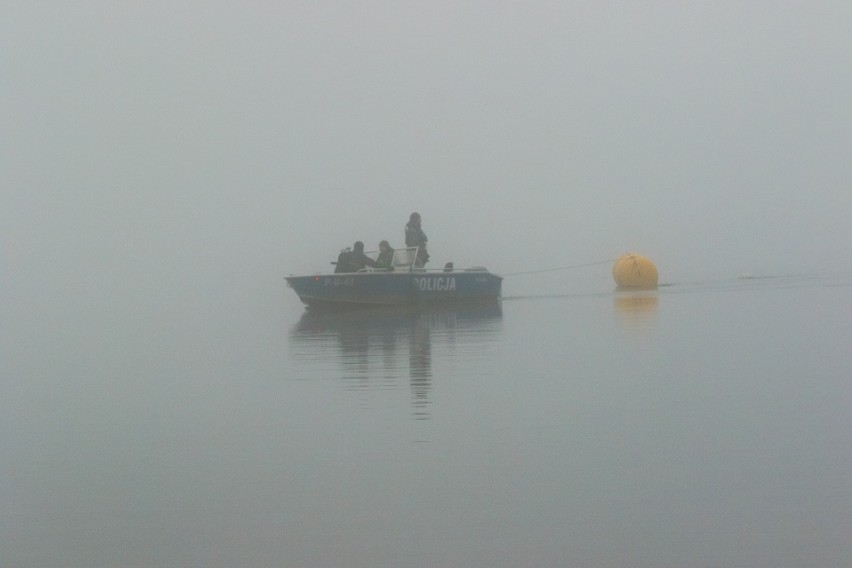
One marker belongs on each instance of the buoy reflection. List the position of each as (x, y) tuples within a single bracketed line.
[(636, 309)]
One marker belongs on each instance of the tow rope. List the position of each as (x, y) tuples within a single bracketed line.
[(560, 268)]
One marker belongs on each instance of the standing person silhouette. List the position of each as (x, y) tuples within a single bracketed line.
[(415, 237)]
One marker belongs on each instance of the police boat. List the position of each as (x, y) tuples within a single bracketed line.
[(401, 284)]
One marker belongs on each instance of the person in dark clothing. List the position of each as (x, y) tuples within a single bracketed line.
[(361, 260), (354, 260), (343, 264), (385, 257), (415, 237)]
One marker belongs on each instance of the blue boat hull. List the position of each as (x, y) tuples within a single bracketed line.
[(396, 288)]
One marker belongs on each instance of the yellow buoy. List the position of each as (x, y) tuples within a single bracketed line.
[(633, 270)]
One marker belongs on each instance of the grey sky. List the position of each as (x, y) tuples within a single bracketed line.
[(148, 139)]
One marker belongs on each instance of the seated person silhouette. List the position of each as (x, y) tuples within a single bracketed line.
[(354, 260), (385, 258)]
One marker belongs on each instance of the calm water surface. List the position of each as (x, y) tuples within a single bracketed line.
[(700, 425)]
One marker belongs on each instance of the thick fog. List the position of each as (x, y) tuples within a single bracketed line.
[(165, 164), (159, 143)]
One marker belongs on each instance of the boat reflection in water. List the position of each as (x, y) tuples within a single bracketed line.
[(381, 348)]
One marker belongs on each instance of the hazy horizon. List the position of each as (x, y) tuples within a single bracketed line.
[(202, 139)]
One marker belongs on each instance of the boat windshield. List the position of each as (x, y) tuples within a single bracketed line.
[(404, 258)]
